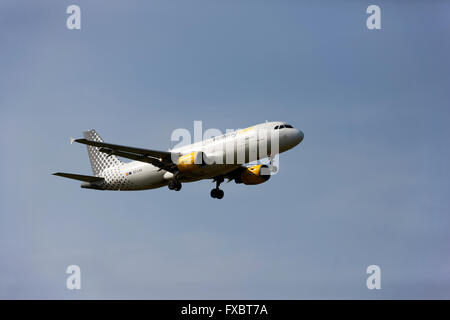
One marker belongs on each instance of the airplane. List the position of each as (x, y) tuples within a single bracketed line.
[(218, 158)]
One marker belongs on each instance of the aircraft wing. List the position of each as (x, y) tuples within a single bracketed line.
[(160, 159)]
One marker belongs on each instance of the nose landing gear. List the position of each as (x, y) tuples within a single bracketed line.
[(216, 192), (272, 168), (174, 185)]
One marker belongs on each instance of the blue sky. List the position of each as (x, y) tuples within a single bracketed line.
[(368, 185)]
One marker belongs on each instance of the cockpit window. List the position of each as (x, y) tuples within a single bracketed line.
[(283, 126)]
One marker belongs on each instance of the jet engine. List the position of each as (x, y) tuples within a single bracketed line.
[(191, 161), (254, 175)]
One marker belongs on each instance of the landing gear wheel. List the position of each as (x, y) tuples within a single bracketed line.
[(217, 193), (174, 185)]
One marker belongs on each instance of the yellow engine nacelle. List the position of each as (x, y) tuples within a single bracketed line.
[(254, 175), (191, 161)]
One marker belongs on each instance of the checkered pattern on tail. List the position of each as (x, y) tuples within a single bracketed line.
[(99, 160)]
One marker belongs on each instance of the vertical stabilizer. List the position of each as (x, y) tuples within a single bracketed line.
[(99, 160)]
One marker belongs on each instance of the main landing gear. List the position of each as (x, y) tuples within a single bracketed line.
[(216, 192), (174, 185)]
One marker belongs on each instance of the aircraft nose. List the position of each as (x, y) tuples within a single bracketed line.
[(298, 136), (292, 138)]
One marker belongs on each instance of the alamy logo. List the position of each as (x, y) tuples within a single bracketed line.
[(374, 280), (232, 147), (374, 20), (74, 20), (74, 280)]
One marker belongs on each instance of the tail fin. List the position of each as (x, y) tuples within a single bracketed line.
[(99, 160)]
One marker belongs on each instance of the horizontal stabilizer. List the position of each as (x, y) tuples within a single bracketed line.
[(79, 177)]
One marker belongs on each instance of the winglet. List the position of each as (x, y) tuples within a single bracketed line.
[(72, 140)]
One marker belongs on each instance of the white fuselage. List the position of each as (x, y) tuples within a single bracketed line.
[(226, 152)]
